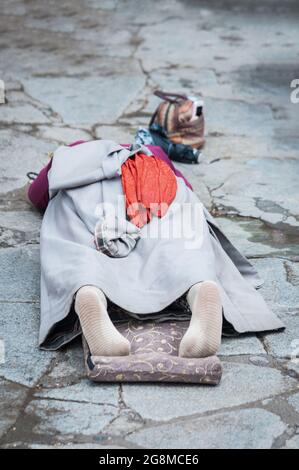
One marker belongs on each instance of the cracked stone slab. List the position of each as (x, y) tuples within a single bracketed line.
[(259, 360), (24, 362), (62, 134), (243, 345), (70, 445), (293, 366), (15, 200), (84, 391), (269, 81), (187, 80), (10, 83), (238, 118), (64, 419), (104, 5), (255, 238), (243, 147), (22, 274), (166, 42), (286, 343), (135, 120), (59, 445), (20, 153), (13, 8), (119, 134), (87, 27), (68, 367), (202, 192), (12, 397), (241, 429), (123, 40), (21, 113), (224, 40), (253, 383), (2, 92), (19, 320), (294, 402), (292, 443), (126, 422), (271, 196), (199, 186), (19, 227), (89, 100), (280, 290)]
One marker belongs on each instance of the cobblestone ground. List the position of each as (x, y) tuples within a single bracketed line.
[(86, 69)]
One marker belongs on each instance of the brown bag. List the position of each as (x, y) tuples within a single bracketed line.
[(180, 118)]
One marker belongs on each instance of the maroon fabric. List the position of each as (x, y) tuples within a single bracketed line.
[(38, 191)]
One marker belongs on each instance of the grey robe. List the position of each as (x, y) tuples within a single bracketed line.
[(159, 269)]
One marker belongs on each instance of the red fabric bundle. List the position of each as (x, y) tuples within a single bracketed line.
[(150, 187)]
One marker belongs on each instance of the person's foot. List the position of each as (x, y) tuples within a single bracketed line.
[(101, 335), (203, 337)]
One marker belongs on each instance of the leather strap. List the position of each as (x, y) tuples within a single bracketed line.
[(171, 97)]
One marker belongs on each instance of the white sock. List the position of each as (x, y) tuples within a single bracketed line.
[(101, 335), (203, 337)]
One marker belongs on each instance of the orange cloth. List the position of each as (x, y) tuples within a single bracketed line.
[(150, 187)]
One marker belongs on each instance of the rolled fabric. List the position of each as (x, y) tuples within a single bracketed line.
[(115, 237)]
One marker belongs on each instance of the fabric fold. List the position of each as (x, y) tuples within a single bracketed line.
[(149, 186), (158, 271), (115, 237)]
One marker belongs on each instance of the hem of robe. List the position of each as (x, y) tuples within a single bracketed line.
[(230, 312)]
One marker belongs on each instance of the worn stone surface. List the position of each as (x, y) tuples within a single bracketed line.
[(19, 228), (19, 153), (68, 78), (294, 401), (244, 429), (281, 292), (68, 418), (70, 445), (81, 101), (241, 345), (126, 422), (262, 198), (22, 271), (84, 391), (292, 443), (253, 383), (58, 445), (280, 287), (24, 363), (68, 368), (22, 113), (62, 134), (10, 393), (255, 238), (285, 344), (120, 134)]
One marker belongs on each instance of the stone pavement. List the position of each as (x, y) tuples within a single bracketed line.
[(83, 69)]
